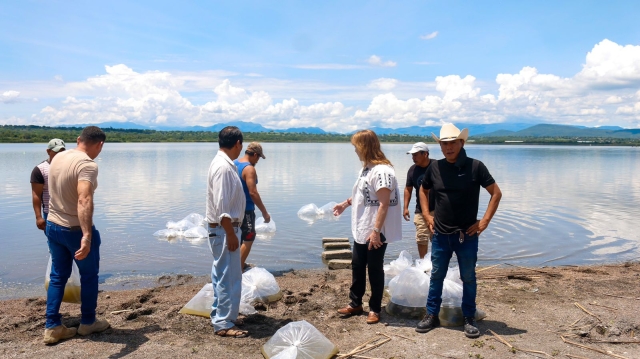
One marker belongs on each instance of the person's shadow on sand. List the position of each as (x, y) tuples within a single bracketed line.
[(484, 325), (131, 338), (261, 326)]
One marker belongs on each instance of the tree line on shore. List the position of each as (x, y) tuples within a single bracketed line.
[(42, 134)]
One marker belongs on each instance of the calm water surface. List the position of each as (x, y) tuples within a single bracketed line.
[(560, 205)]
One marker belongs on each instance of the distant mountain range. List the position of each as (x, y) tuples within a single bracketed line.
[(515, 129), (544, 130)]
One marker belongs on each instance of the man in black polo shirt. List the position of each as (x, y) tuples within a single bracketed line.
[(456, 181)]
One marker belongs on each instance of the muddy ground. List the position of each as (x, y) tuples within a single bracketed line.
[(530, 309)]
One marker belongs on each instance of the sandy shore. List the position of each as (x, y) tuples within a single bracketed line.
[(595, 308)]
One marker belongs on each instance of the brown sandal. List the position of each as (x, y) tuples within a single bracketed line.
[(233, 332)]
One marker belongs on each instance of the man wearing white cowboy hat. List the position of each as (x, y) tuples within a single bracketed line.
[(455, 182), (420, 155)]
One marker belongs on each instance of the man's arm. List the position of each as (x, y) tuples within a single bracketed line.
[(424, 206), (250, 177), (85, 215), (36, 198), (407, 198), (482, 224)]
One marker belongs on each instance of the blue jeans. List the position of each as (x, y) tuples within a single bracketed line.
[(226, 277), (442, 248), (63, 244)]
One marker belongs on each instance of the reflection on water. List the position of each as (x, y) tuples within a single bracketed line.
[(561, 205)]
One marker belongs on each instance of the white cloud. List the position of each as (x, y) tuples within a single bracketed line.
[(429, 36), (611, 65), (9, 96), (377, 61), (383, 84), (601, 93), (613, 99)]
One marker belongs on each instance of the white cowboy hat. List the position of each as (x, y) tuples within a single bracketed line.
[(449, 132)]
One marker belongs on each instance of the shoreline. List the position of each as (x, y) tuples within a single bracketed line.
[(125, 282), (530, 308)]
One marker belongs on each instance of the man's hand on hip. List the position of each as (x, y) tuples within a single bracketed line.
[(478, 227)]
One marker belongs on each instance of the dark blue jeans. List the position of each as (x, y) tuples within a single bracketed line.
[(442, 248), (63, 244)]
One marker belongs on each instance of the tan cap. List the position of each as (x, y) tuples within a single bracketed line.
[(255, 147)]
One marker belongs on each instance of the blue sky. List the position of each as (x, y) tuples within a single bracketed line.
[(335, 65)]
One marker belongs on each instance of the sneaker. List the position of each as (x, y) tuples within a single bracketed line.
[(99, 325), (56, 334), (429, 322), (471, 328)]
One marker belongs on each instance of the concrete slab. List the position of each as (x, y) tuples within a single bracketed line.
[(339, 264), (336, 245), (333, 240), (338, 254)]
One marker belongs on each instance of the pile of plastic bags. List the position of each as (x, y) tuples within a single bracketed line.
[(191, 227), (299, 340), (310, 213), (258, 285), (410, 287)]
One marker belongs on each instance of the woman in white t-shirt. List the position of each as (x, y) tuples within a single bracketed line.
[(376, 219)]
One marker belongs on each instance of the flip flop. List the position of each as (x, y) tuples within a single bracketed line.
[(233, 332)]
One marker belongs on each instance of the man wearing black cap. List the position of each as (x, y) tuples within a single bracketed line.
[(420, 156), (39, 183)]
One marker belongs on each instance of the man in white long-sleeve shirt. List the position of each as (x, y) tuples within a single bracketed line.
[(225, 210)]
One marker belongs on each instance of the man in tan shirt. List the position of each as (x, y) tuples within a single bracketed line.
[(73, 178)]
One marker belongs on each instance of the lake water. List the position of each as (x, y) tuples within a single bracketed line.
[(560, 205)]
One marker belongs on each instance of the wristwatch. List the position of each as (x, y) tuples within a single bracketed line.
[(377, 230)]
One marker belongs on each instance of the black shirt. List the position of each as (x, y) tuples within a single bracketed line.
[(457, 191), (414, 179)]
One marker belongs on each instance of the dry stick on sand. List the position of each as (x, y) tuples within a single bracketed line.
[(371, 344), (484, 269), (615, 341), (535, 270), (586, 311), (516, 348), (576, 356), (603, 306), (576, 322), (618, 296), (121, 311), (594, 349)]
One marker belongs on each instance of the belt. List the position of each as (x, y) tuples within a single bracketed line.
[(75, 228), (233, 224)]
